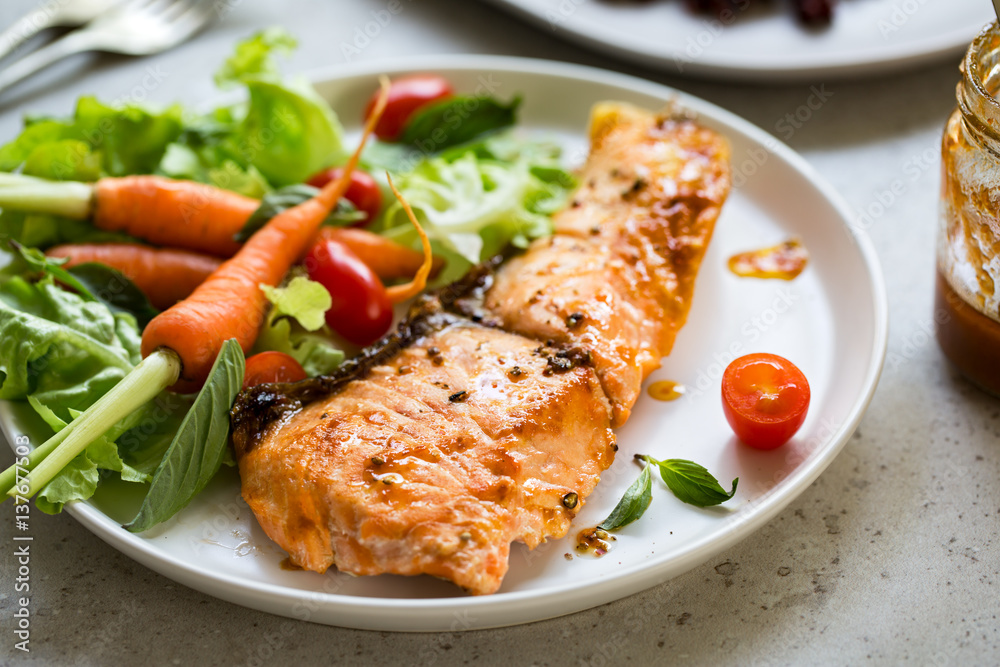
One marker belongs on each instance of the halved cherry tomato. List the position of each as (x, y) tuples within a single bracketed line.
[(407, 95), (765, 398), (361, 310), (363, 191), (272, 367)]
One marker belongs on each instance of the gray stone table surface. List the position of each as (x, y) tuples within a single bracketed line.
[(890, 557)]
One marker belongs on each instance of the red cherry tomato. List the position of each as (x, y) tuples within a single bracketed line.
[(361, 311), (407, 95), (363, 191), (765, 398), (272, 367)]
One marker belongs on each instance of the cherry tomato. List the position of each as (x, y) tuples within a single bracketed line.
[(361, 311), (272, 367), (765, 398), (363, 191), (407, 95)]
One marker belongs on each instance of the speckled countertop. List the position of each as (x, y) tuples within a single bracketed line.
[(892, 556)]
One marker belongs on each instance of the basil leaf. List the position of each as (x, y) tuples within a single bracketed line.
[(692, 483), (115, 290), (458, 120), (285, 198), (633, 504), (199, 448)]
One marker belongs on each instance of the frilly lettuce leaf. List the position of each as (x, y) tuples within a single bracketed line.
[(476, 199), (254, 57), (296, 325)]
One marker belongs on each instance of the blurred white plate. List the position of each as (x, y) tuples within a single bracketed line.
[(831, 322), (765, 42)]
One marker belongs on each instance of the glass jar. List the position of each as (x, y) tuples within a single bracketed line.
[(967, 302)]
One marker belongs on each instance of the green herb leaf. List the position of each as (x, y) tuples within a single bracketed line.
[(38, 261), (692, 483), (199, 448), (285, 198), (114, 289), (633, 504), (458, 120)]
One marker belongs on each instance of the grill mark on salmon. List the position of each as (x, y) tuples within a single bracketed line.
[(486, 418)]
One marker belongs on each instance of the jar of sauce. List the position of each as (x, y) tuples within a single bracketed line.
[(967, 301)]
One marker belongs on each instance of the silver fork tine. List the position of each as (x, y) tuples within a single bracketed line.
[(140, 27), (178, 9)]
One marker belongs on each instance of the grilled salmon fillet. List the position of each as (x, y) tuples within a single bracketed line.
[(618, 275), (486, 418)]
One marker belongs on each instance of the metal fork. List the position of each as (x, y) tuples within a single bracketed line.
[(54, 14), (138, 28)]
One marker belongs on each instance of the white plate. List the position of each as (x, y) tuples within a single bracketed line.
[(765, 42), (831, 321)]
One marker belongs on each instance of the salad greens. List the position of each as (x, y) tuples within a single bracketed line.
[(476, 199), (68, 337), (200, 446), (61, 352), (458, 120), (296, 325)]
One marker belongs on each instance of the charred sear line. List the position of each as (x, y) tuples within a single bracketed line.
[(258, 407)]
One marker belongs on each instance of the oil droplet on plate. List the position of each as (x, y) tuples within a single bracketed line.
[(784, 261), (666, 390), (594, 541)]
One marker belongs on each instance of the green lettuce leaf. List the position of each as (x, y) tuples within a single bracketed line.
[(477, 199), (254, 57), (296, 326), (289, 132), (61, 352)]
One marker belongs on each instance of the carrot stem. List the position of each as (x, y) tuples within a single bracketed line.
[(153, 374), (37, 195)]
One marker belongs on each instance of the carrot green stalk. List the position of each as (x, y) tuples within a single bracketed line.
[(27, 193), (136, 389), (182, 342)]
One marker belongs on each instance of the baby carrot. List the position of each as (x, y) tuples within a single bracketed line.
[(181, 344), (179, 214), (230, 304), (164, 275)]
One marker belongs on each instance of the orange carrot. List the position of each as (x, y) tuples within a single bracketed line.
[(388, 259), (165, 276), (230, 304), (179, 214), (400, 293)]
